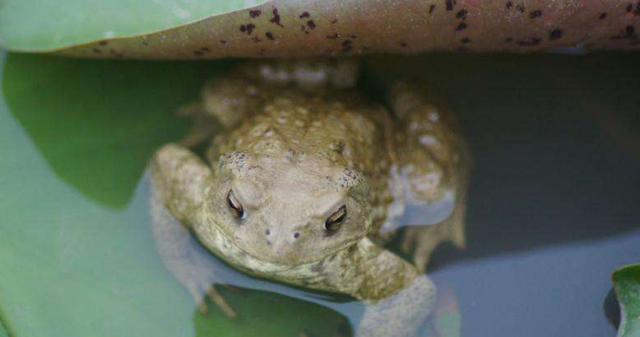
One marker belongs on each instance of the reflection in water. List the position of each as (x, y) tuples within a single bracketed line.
[(612, 308)]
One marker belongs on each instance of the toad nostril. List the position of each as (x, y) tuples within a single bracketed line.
[(267, 232), (296, 235)]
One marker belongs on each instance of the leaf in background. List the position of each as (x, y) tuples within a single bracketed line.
[(282, 28), (626, 282), (37, 25), (113, 115)]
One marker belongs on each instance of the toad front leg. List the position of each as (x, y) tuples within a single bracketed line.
[(431, 171), (179, 178), (397, 299)]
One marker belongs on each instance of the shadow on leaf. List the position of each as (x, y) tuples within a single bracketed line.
[(96, 123)]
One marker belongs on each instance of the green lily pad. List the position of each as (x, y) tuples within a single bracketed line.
[(3, 332), (113, 115), (168, 29), (267, 314), (37, 25), (627, 286)]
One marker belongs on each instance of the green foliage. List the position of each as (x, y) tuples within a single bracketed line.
[(626, 281), (36, 25), (96, 122)]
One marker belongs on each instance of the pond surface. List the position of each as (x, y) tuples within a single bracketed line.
[(553, 209)]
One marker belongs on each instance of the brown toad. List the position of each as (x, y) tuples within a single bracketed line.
[(308, 180)]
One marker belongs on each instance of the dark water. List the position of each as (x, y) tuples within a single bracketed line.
[(554, 202)]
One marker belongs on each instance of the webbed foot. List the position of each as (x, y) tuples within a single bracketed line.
[(218, 300), (419, 242)]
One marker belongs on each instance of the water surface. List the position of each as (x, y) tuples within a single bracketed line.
[(553, 207)]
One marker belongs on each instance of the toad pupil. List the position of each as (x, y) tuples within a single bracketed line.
[(235, 205), (336, 219)]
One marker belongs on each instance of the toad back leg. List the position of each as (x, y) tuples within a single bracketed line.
[(430, 173), (230, 99)]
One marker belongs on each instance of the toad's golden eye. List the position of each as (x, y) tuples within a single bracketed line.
[(234, 205), (336, 219)]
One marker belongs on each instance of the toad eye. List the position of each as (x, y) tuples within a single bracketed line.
[(336, 219), (234, 205)]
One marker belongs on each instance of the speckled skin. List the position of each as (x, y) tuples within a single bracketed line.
[(298, 144)]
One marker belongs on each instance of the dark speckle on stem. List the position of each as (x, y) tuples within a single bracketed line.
[(276, 18), (103, 43), (462, 14), (346, 46), (530, 43), (311, 24), (247, 28), (254, 13), (465, 40), (403, 44), (630, 30), (555, 34), (602, 16), (509, 5), (628, 33), (432, 8), (535, 14), (305, 15), (449, 4), (461, 26), (269, 36), (520, 8)]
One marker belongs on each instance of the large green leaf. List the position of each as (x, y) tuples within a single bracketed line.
[(33, 25), (112, 115), (627, 285), (171, 29)]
